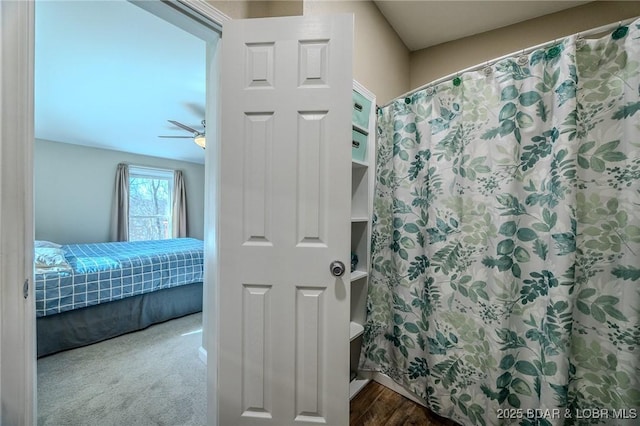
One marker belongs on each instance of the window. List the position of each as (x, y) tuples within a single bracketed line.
[(150, 203)]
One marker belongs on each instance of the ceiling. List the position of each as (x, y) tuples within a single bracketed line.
[(109, 74), (421, 24)]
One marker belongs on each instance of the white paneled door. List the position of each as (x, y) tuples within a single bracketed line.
[(285, 164)]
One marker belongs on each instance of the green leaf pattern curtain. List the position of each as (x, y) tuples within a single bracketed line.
[(506, 239)]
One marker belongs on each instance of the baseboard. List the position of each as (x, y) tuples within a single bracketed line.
[(388, 382), (202, 354)]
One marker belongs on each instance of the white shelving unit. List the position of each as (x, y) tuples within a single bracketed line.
[(362, 181), (356, 386), (355, 330)]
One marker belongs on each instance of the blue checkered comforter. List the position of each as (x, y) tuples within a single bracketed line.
[(110, 271)]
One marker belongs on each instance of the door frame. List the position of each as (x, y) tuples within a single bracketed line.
[(17, 314)]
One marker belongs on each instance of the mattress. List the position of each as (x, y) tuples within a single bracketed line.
[(104, 272)]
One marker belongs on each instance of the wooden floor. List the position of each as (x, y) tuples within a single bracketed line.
[(377, 405)]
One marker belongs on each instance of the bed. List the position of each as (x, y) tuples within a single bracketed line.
[(86, 293)]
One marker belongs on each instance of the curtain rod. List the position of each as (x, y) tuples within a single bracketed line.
[(160, 169), (592, 31)]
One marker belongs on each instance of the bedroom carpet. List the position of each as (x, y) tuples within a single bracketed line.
[(150, 377)]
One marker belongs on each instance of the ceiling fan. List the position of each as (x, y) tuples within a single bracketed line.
[(197, 136)]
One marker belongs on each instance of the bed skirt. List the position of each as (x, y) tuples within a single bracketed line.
[(81, 327)]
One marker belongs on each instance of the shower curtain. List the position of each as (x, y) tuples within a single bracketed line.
[(505, 284)]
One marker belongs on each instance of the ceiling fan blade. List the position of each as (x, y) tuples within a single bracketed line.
[(182, 126), (177, 137), (195, 108)]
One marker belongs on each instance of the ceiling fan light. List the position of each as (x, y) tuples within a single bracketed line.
[(200, 141)]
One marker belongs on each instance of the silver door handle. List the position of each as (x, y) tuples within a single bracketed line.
[(337, 268)]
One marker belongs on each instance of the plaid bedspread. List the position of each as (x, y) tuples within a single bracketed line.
[(110, 271)]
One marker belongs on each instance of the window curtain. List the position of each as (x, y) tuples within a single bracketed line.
[(506, 239), (179, 215), (120, 214)]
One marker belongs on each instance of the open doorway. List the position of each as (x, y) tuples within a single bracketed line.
[(105, 108), (331, 375)]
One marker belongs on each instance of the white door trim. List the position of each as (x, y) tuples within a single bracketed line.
[(17, 314), (211, 305), (207, 10), (208, 352)]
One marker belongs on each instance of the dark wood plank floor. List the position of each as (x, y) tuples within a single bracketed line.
[(377, 405)]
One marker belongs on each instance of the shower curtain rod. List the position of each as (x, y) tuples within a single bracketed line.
[(518, 52)]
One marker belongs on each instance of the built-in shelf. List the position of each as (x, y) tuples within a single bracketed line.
[(359, 164), (355, 330), (362, 130), (362, 189), (356, 275), (356, 386)]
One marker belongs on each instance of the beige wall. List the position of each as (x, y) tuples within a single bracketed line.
[(242, 9), (265, 9), (437, 61), (380, 60), (235, 9)]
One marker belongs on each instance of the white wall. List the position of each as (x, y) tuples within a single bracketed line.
[(74, 191)]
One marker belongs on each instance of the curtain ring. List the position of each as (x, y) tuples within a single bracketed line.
[(487, 69), (522, 59)]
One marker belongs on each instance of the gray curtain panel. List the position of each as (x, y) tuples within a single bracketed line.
[(120, 214), (179, 228)]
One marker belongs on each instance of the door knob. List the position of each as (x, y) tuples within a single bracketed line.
[(337, 268)]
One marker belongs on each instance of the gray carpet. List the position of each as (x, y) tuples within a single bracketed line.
[(151, 377)]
